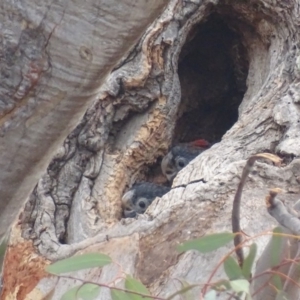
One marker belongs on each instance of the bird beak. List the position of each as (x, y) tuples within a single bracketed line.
[(127, 205), (129, 213), (126, 199), (165, 162)]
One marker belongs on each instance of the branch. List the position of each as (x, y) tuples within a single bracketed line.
[(84, 281), (235, 218), (36, 123), (286, 217)]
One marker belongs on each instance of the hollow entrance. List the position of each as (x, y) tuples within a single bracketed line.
[(213, 68)]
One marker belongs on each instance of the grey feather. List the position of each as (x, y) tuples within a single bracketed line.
[(140, 196), (178, 157)]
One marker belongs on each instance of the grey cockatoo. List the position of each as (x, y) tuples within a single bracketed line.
[(179, 156), (140, 196)]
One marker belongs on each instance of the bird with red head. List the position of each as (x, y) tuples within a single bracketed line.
[(180, 155)]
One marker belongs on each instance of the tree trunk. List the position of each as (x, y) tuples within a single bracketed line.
[(225, 71), (54, 58)]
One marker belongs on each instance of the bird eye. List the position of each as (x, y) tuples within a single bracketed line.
[(181, 163), (142, 204)]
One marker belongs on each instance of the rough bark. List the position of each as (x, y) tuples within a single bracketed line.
[(186, 78), (54, 58)]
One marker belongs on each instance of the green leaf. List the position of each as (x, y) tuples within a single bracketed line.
[(207, 243), (240, 286), (89, 291), (276, 246), (86, 291), (71, 294), (134, 285), (249, 260), (232, 269), (79, 262), (211, 295), (119, 295)]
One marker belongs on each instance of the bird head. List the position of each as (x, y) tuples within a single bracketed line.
[(140, 196), (180, 156)]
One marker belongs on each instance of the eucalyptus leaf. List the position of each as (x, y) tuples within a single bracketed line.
[(207, 243), (134, 285), (276, 244), (71, 294), (89, 291), (240, 285), (249, 260), (232, 268), (120, 295), (79, 262)]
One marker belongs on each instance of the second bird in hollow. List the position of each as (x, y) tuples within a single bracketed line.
[(140, 196), (179, 156)]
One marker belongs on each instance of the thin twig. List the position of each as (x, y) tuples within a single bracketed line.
[(235, 218), (208, 283), (113, 287)]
